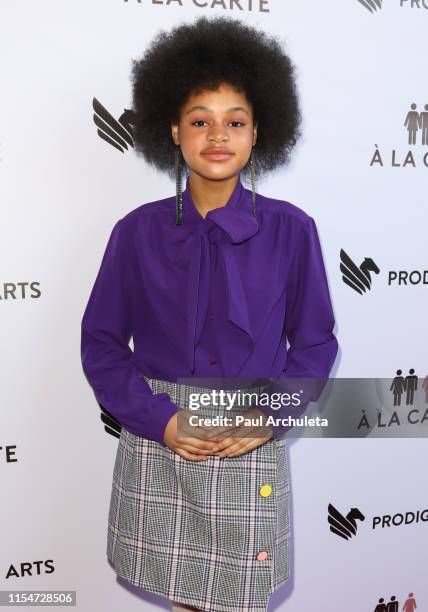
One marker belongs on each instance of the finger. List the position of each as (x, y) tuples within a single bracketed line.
[(226, 442), (239, 448), (190, 456), (210, 438), (217, 431), (234, 443), (196, 450), (240, 433), (230, 448), (231, 434), (195, 444), (244, 431)]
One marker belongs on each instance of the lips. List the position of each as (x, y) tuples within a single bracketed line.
[(217, 154)]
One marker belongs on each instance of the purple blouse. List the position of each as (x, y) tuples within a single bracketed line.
[(211, 298)]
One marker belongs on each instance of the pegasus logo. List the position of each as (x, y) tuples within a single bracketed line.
[(344, 526), (371, 5), (118, 133), (358, 278)]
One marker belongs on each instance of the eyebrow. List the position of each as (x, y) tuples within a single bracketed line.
[(205, 108)]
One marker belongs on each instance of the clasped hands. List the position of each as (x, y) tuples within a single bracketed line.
[(221, 441)]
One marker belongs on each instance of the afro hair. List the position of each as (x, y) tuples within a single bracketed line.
[(198, 56)]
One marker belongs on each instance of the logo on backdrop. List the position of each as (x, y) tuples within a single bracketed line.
[(376, 5), (393, 414), (371, 5), (346, 526), (359, 278), (408, 384), (415, 123), (393, 605), (116, 132)]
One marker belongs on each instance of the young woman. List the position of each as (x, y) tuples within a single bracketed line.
[(209, 283)]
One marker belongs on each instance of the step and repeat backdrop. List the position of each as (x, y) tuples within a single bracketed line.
[(68, 172)]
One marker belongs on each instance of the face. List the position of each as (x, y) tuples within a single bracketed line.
[(216, 132)]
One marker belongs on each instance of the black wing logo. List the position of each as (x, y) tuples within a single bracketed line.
[(344, 526), (371, 5), (358, 278), (118, 133)]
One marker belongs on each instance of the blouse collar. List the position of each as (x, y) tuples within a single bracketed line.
[(235, 218), (235, 200)]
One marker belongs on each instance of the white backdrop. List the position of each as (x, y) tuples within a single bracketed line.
[(360, 66)]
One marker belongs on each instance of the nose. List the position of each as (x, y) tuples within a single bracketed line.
[(218, 132)]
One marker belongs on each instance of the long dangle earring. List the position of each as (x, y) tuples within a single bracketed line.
[(253, 182), (179, 195)]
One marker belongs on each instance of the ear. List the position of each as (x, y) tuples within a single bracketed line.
[(174, 133), (255, 134)]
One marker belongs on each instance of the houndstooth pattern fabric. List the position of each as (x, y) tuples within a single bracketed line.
[(191, 531)]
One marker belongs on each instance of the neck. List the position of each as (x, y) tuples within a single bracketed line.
[(208, 194)]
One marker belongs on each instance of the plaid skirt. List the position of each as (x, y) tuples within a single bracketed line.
[(212, 534)]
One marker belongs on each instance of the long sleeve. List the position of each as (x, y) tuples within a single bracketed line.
[(309, 329), (107, 359)]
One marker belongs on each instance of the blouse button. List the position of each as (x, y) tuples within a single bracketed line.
[(265, 490), (210, 316), (213, 360), (262, 555)]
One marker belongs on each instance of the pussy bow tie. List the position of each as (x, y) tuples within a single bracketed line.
[(227, 227)]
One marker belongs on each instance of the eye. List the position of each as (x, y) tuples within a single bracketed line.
[(199, 121)]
